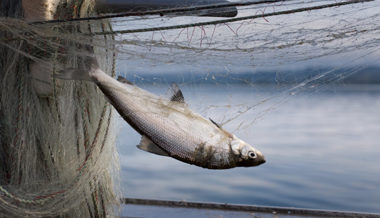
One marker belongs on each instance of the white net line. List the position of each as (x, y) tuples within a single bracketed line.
[(344, 38)]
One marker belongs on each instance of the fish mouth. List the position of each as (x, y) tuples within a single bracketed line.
[(260, 158), (251, 163)]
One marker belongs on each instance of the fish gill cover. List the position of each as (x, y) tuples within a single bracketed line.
[(278, 41)]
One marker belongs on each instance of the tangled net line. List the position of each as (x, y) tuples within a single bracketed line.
[(56, 138), (260, 37)]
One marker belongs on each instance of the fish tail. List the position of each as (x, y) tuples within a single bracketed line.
[(85, 72)]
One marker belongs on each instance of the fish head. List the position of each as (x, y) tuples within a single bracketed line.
[(245, 154)]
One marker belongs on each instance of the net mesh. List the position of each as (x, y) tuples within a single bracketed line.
[(57, 138), (57, 149)]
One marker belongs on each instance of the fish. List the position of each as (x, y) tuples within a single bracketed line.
[(167, 126)]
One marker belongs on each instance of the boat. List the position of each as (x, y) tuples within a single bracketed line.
[(134, 207)]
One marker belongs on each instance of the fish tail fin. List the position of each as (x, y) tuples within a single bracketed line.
[(85, 72)]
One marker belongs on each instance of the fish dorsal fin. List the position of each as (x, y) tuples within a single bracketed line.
[(124, 80), (176, 94), (215, 123), (147, 145)]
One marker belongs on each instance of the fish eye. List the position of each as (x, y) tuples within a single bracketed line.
[(252, 154)]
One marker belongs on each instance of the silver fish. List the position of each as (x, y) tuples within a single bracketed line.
[(168, 127)]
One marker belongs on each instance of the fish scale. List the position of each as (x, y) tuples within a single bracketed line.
[(168, 127), (160, 128)]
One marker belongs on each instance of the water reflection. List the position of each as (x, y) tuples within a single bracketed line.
[(322, 152)]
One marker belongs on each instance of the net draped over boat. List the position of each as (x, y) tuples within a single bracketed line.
[(57, 138)]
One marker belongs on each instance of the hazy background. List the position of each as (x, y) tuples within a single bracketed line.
[(303, 88), (321, 147)]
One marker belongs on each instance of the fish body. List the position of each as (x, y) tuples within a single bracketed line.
[(168, 127)]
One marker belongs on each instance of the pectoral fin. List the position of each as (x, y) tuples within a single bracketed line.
[(147, 145), (215, 123), (220, 127)]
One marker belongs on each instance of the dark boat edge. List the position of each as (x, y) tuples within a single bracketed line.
[(120, 6), (247, 208)]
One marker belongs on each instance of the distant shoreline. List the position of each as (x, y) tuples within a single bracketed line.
[(368, 75)]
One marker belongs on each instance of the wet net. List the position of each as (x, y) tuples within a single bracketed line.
[(57, 150), (57, 138)]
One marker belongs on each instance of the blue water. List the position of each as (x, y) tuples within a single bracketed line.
[(322, 149)]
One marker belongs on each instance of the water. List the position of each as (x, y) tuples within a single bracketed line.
[(322, 150)]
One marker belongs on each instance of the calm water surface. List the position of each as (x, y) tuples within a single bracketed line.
[(322, 150)]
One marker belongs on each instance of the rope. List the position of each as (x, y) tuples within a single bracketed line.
[(21, 200), (292, 11)]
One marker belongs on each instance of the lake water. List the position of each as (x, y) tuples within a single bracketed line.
[(322, 149)]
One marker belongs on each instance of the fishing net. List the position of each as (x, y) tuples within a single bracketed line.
[(56, 137)]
